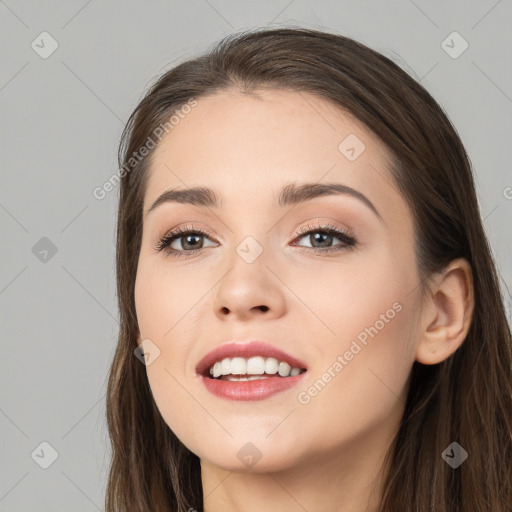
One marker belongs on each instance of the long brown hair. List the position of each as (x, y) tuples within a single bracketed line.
[(466, 398)]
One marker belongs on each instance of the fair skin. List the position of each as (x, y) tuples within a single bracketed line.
[(327, 454)]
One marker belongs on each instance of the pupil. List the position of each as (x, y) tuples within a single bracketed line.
[(188, 237), (319, 236)]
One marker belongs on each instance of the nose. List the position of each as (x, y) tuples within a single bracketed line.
[(249, 290)]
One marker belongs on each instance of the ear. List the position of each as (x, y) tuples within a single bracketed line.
[(447, 313)]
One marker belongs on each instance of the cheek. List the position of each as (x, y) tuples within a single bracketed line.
[(166, 315), (162, 299), (168, 306), (365, 354), (357, 388), (347, 297)]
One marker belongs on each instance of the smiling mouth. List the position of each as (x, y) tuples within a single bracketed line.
[(239, 369)]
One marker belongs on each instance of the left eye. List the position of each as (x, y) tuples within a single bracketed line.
[(324, 235)]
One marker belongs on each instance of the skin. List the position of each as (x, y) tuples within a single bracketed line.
[(326, 455)]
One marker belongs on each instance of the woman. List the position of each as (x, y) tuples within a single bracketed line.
[(310, 313)]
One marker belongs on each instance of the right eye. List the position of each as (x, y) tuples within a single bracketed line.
[(188, 239)]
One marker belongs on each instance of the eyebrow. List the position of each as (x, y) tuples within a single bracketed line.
[(291, 194)]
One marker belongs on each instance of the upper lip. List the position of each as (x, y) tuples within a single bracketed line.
[(246, 349)]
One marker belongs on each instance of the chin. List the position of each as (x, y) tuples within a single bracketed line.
[(245, 456), (256, 463)]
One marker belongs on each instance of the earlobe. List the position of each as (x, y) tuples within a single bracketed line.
[(447, 315)]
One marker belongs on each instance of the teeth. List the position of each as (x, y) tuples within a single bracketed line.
[(256, 366), (284, 369), (225, 366), (253, 367), (238, 366), (271, 365), (215, 370)]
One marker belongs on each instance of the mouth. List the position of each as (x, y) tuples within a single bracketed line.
[(249, 370), (249, 359)]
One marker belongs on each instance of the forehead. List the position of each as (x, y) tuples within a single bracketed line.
[(247, 146)]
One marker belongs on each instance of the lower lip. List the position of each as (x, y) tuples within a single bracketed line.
[(250, 389)]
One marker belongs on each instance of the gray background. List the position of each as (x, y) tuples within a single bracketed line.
[(61, 121)]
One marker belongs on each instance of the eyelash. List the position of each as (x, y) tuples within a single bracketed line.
[(348, 241)]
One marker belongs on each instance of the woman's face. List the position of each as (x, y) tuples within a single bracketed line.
[(350, 315)]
